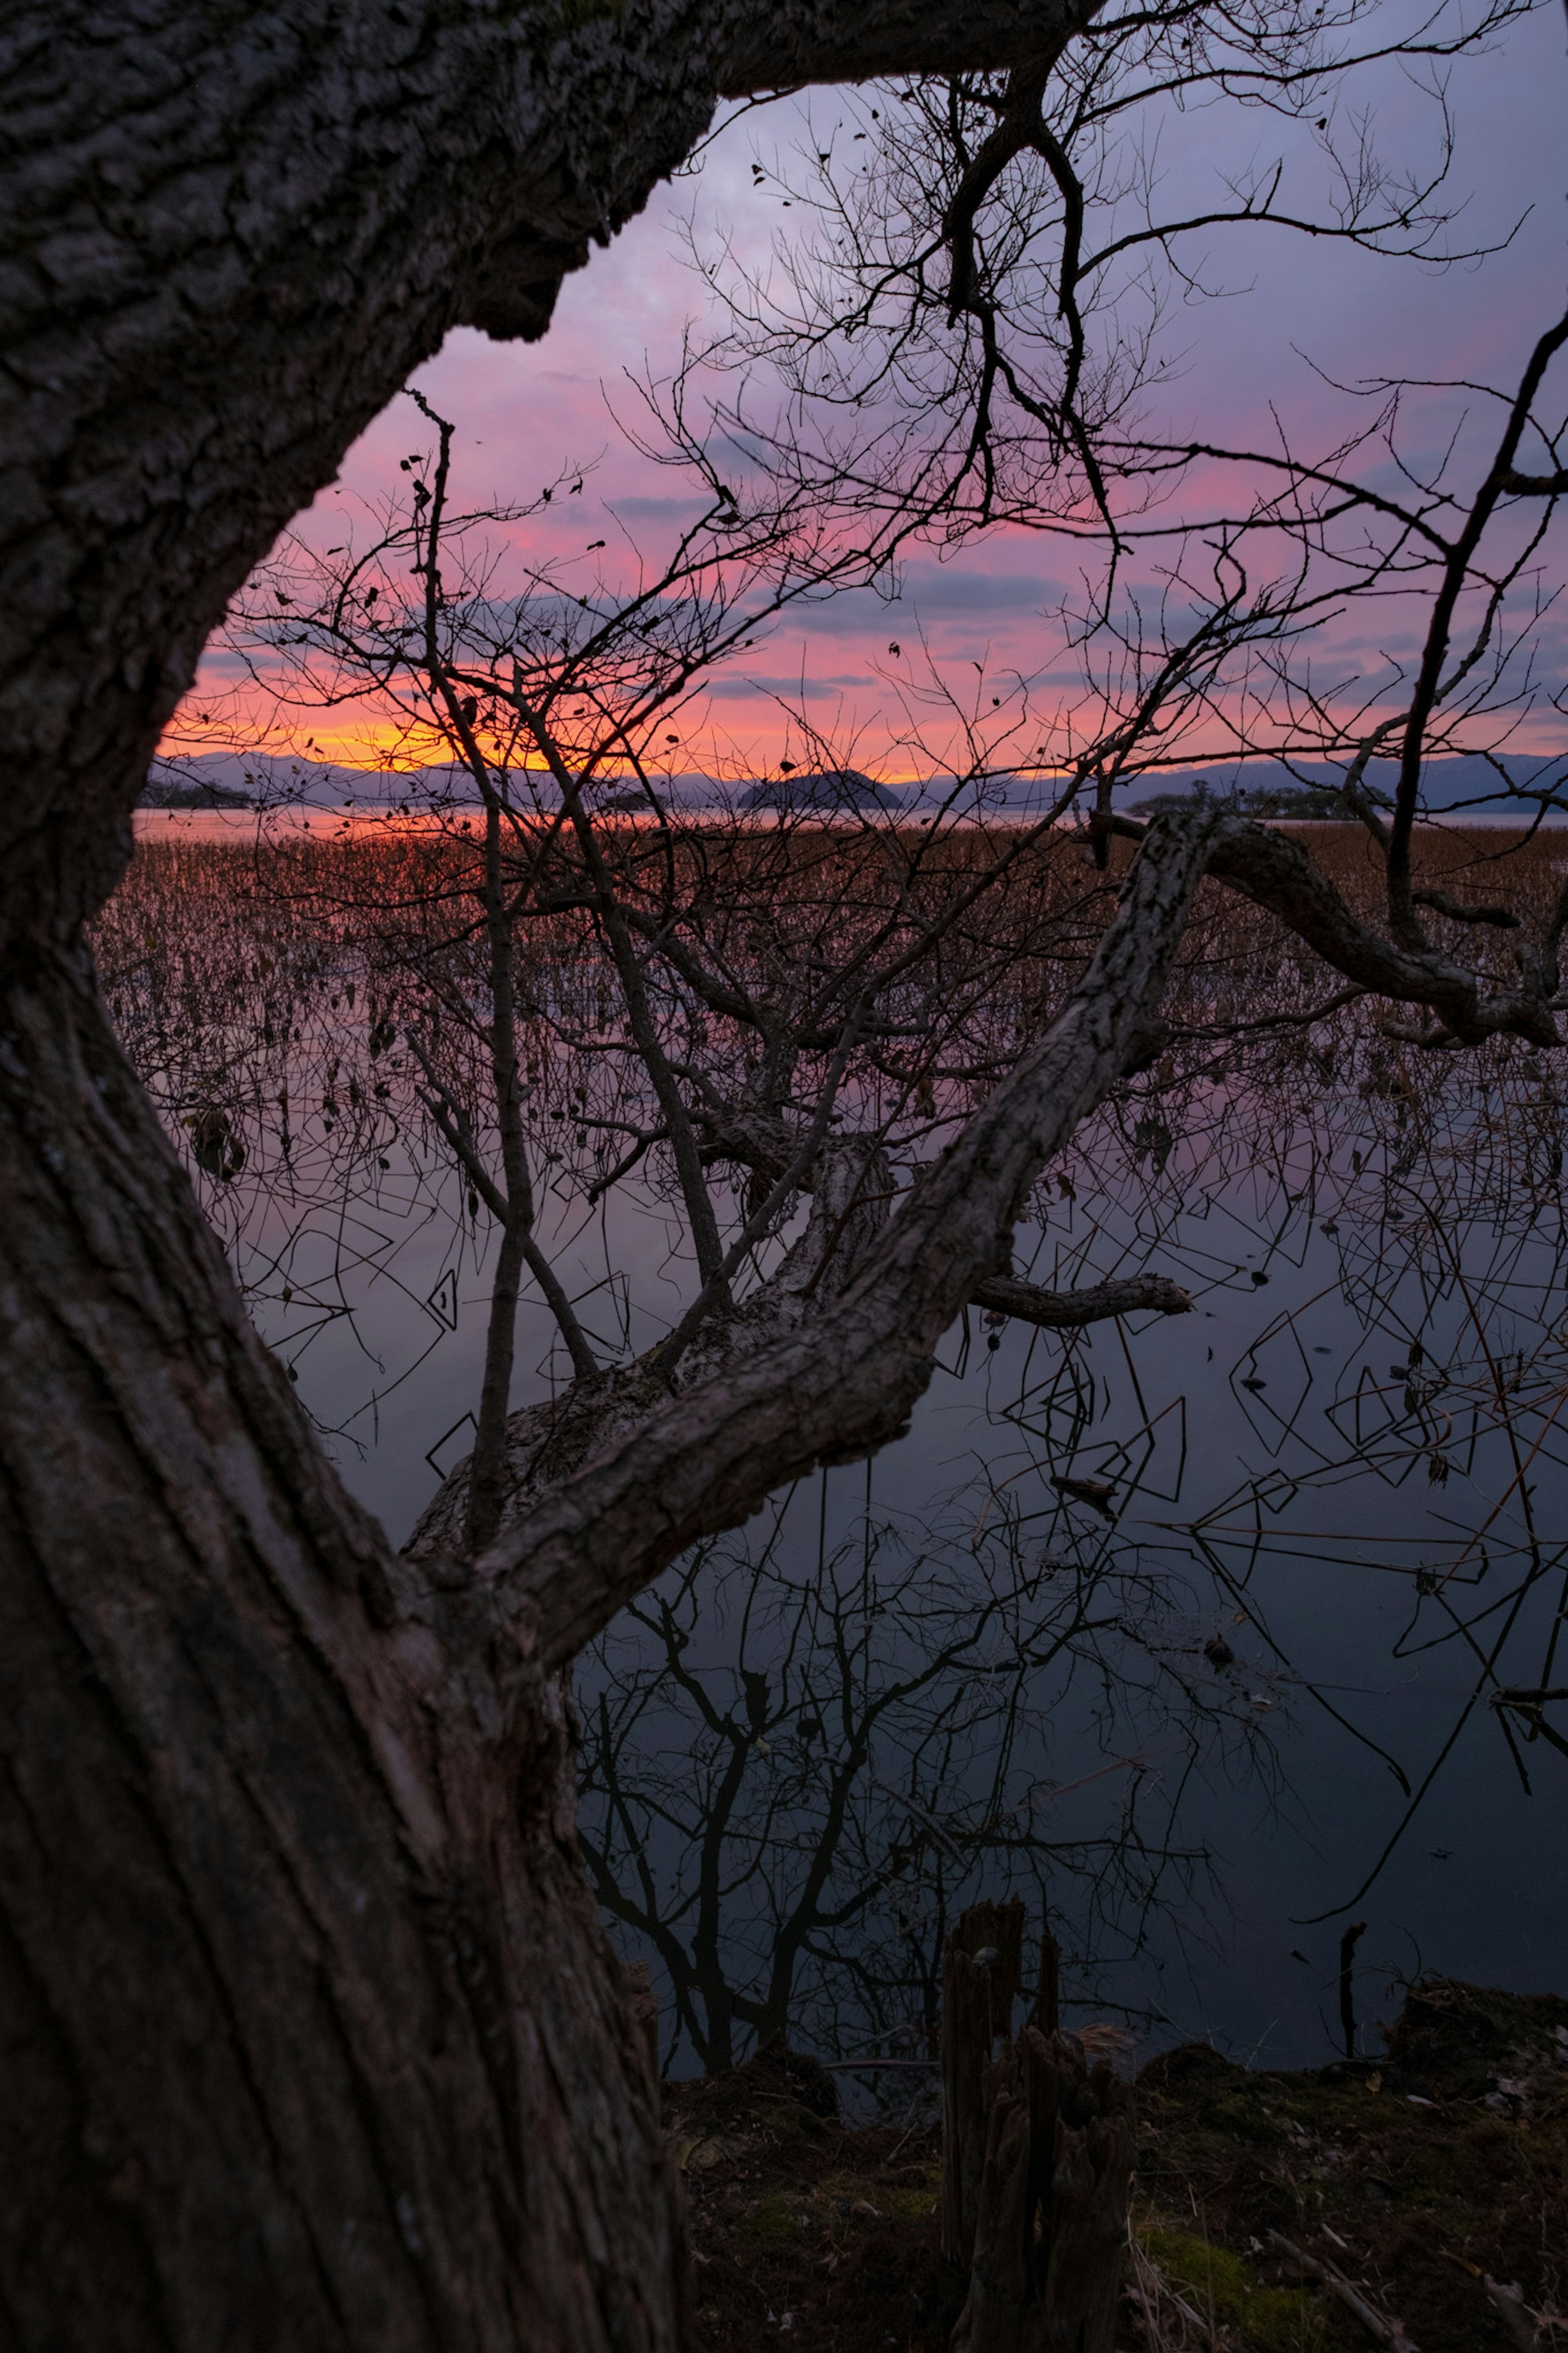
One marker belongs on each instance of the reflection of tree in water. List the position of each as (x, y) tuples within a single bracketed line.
[(795, 1778), (1399, 1408), (1320, 1168), (795, 1771)]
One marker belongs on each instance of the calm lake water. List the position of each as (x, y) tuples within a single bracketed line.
[(1347, 1467), (1187, 1629)]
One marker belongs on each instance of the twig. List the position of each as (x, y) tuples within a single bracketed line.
[(918, 1814), (1144, 2269), (859, 2066), (1386, 2332), (1006, 1294), (1510, 2306)]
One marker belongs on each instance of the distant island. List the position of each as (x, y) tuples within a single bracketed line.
[(157, 793), (1454, 782), (1299, 801), (820, 790)]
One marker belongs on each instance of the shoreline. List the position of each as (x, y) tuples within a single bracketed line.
[(1410, 2180)]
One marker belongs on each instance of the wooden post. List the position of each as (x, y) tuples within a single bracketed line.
[(1038, 2157)]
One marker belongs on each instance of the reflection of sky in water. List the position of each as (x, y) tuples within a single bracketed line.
[(1271, 1459), (1290, 1474)]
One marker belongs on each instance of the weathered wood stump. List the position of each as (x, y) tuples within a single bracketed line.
[(981, 1976), (1036, 2154)]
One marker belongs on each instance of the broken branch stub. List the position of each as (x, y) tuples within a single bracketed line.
[(982, 1976), (1037, 2167)]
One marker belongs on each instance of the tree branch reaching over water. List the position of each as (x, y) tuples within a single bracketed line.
[(847, 1382)]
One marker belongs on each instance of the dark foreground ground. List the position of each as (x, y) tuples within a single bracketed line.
[(1414, 2180)]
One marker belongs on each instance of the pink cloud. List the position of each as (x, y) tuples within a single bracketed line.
[(1237, 373)]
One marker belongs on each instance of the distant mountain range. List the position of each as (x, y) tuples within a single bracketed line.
[(228, 780), (170, 793)]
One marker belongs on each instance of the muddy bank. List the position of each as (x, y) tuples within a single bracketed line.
[(1407, 2182)]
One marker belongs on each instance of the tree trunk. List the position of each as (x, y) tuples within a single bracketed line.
[(310, 2039), (982, 1973), (315, 2041), (1050, 2238)]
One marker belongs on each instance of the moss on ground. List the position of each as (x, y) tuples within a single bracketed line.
[(1414, 2177), (1224, 2287)]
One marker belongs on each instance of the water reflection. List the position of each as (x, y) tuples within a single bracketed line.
[(1195, 1630), (799, 1762)]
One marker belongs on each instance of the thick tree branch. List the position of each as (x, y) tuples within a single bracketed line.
[(1536, 486), (851, 1190), (844, 1383), (1067, 1311), (1275, 872), (773, 47), (841, 1382), (1502, 918), (1456, 578)]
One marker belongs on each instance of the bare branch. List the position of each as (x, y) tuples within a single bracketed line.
[(1277, 873), (1067, 1311), (846, 1383)]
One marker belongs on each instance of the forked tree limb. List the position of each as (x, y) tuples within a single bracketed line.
[(842, 1382), (846, 1381), (1276, 872), (851, 1190), (850, 1208)]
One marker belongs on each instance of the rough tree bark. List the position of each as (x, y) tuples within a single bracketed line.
[(1051, 2238), (850, 1191), (309, 2037), (983, 1972)]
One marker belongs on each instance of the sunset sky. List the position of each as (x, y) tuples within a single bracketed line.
[(1300, 311)]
